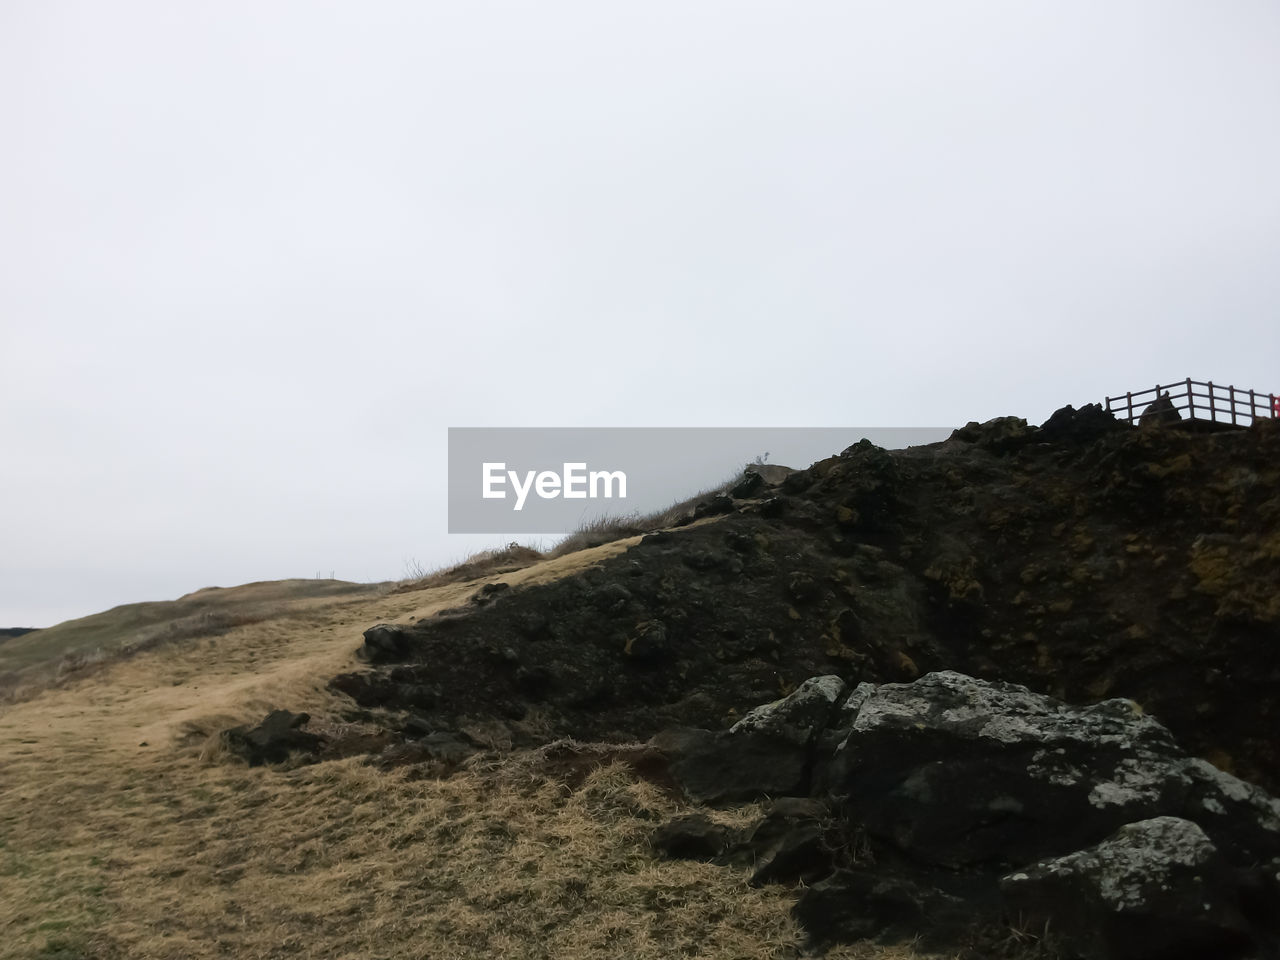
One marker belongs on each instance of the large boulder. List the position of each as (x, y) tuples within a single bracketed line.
[(941, 806), (766, 753), (963, 773), (386, 643), (1160, 411), (798, 716), (1071, 426), (1156, 888)]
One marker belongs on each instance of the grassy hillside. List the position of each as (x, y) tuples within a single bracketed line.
[(118, 840), (1130, 564), (135, 626)]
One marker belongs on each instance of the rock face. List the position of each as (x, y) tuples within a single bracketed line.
[(926, 617), (1156, 888), (798, 716), (971, 773), (977, 799), (1085, 559)]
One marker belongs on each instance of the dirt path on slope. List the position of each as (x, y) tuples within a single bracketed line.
[(285, 661)]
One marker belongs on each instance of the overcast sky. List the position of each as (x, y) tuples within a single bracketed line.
[(256, 257)]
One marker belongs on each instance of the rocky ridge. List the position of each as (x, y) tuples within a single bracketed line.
[(1084, 559), (963, 647)]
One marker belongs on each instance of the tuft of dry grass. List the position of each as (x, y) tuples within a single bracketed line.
[(483, 563), (597, 532), (607, 529), (342, 860)]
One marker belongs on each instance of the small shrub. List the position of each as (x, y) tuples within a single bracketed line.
[(602, 530), (512, 557)]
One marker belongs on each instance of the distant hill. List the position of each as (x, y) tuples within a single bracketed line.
[(138, 625)]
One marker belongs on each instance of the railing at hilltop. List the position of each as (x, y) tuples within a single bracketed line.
[(1214, 403)]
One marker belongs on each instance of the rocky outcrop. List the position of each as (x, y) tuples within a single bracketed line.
[(959, 650), (1069, 426), (971, 773), (274, 740), (985, 801), (1154, 889), (1083, 558), (1159, 411)]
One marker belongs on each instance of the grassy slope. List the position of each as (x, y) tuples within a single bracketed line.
[(201, 612), (116, 840)]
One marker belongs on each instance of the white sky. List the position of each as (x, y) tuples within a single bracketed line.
[(256, 257)]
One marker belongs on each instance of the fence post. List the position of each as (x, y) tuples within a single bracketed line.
[(1129, 395), (1213, 410), (1231, 398), (1191, 401)]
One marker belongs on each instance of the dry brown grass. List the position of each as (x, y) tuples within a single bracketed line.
[(589, 535), (54, 656), (602, 530), (116, 841), (483, 563)]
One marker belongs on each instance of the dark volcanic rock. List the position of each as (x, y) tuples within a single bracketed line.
[(766, 753), (489, 593), (1155, 889), (386, 643), (1159, 411), (967, 773), (718, 767), (800, 854), (1001, 435), (274, 739), (1129, 572), (1085, 559), (865, 904), (980, 799), (799, 716), (692, 837), (673, 634), (1071, 426), (750, 484)]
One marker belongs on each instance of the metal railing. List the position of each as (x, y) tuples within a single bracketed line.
[(1213, 403)]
